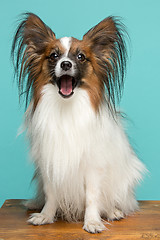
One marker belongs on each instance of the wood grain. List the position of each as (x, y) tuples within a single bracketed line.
[(145, 224)]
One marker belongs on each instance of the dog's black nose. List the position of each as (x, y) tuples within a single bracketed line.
[(66, 65)]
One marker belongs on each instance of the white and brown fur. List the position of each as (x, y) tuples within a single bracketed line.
[(85, 166)]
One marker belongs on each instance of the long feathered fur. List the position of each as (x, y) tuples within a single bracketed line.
[(29, 44), (109, 46)]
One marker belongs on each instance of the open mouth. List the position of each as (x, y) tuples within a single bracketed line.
[(66, 85)]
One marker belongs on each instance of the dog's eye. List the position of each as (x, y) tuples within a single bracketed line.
[(81, 57), (54, 56)]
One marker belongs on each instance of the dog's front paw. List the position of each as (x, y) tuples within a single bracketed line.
[(94, 226), (39, 219)]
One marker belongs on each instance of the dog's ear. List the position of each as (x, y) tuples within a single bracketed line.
[(107, 42), (33, 32), (104, 35), (28, 50)]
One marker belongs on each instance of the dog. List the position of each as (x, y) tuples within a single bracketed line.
[(85, 167)]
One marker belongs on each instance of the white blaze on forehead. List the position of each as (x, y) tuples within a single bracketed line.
[(66, 43)]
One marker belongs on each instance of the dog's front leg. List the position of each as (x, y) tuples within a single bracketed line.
[(92, 219), (48, 212)]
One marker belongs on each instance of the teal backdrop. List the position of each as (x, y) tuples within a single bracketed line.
[(141, 101)]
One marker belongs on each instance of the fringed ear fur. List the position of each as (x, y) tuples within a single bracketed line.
[(107, 41), (29, 44)]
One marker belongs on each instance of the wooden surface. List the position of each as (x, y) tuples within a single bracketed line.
[(144, 224)]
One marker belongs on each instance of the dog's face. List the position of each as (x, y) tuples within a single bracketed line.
[(96, 63), (68, 64)]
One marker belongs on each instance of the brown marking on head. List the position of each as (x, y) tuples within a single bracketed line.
[(90, 81), (45, 77)]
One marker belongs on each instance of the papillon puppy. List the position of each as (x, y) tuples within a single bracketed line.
[(85, 166)]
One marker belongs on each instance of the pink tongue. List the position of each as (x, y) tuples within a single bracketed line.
[(66, 85)]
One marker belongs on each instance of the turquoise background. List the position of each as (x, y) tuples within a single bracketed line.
[(141, 101)]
